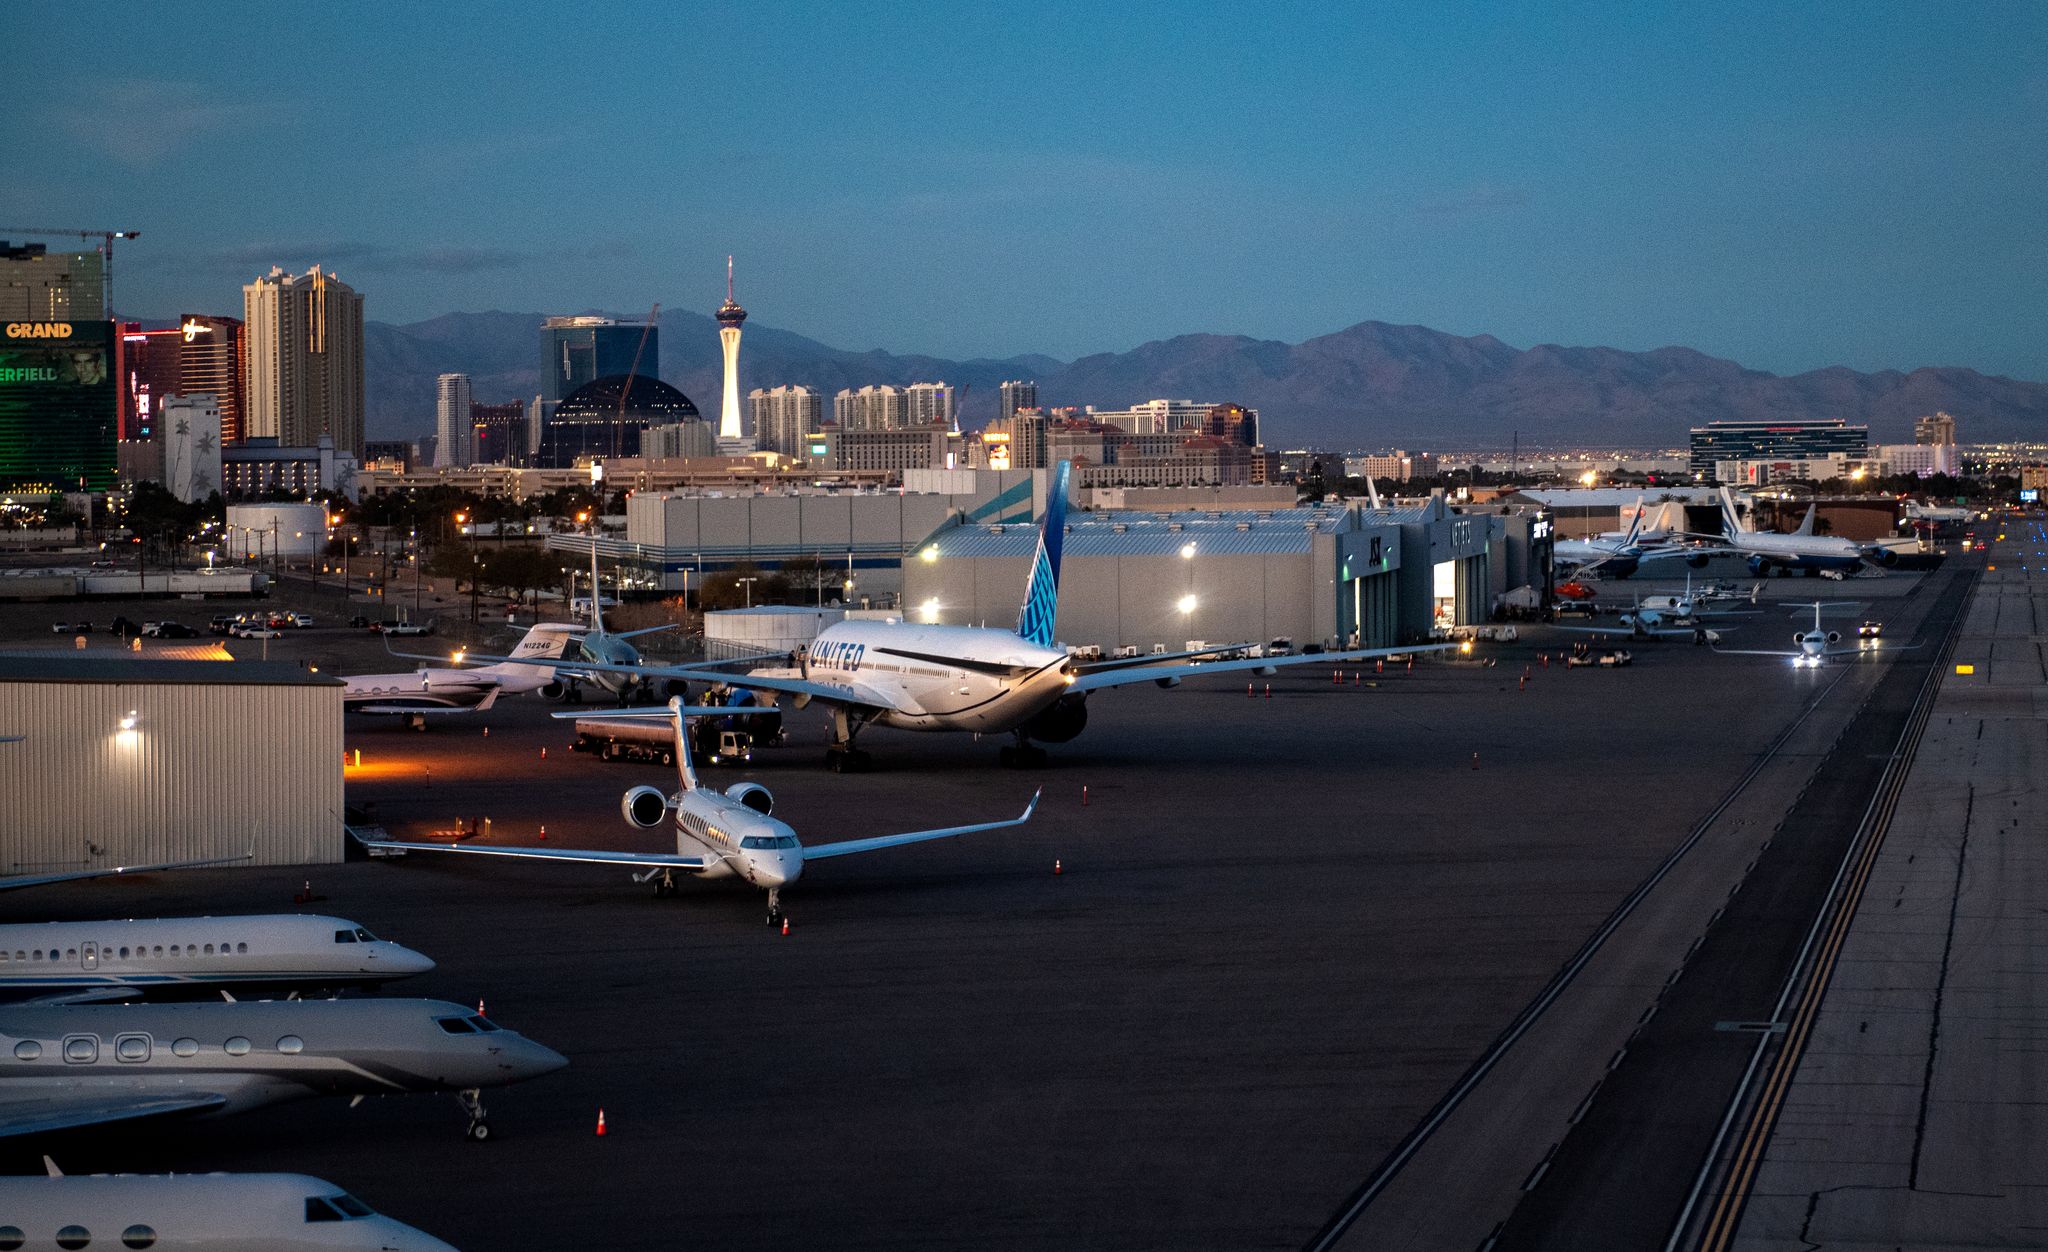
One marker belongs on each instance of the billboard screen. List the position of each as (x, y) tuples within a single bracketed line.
[(59, 405)]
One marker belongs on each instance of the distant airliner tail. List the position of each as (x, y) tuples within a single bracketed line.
[(1042, 591), (1806, 525), (1731, 522), (1635, 526)]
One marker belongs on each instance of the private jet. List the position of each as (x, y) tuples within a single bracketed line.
[(1769, 554), (1813, 648), (1613, 555), (169, 958), (428, 692), (196, 1213), (719, 834), (981, 680), (77, 1065)]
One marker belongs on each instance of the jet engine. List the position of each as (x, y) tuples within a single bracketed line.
[(644, 806), (1834, 636), (1758, 565), (556, 689), (1065, 719), (1886, 557), (1798, 636), (754, 796), (1697, 560)]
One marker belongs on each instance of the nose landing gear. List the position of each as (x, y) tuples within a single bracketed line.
[(774, 906), (473, 1104)]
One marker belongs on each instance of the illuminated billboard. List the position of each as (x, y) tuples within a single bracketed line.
[(59, 405)]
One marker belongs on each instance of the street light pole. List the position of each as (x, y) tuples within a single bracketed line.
[(749, 584)]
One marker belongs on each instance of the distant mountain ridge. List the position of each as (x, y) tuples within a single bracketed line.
[(1369, 385)]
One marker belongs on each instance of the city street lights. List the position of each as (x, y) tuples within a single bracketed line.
[(462, 524), (748, 583), (1187, 614)]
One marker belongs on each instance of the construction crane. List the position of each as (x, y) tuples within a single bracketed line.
[(106, 251)]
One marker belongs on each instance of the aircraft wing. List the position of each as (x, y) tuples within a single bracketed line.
[(632, 860), (698, 671), (39, 880), (39, 1114), (1096, 680), (846, 847), (427, 710), (1755, 652)]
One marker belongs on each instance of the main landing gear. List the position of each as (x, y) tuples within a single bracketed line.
[(841, 757), (774, 906), (473, 1104), (1024, 754), (665, 886)]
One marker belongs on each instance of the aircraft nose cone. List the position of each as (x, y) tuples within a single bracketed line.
[(403, 1238), (405, 962), (531, 1060)]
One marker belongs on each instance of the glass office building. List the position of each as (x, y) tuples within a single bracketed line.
[(579, 350), (60, 403), (1795, 440), (604, 418)]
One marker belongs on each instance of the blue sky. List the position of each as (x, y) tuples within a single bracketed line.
[(1788, 185)]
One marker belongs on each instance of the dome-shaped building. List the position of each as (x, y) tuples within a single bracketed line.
[(591, 423)]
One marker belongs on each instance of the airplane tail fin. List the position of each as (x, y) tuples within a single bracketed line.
[(1635, 526), (1806, 524), (1042, 591), (1731, 521), (545, 641), (685, 771)]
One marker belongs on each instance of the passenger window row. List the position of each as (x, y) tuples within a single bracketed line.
[(85, 1049), (73, 1237), (139, 952)]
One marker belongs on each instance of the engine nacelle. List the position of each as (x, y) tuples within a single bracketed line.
[(555, 690), (1887, 558), (1799, 637), (1834, 636), (1760, 566), (1698, 560), (754, 796), (1166, 682), (1065, 719), (645, 806)]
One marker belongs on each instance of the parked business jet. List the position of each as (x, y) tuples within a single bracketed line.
[(428, 691), (719, 834), (1615, 555), (170, 958), (196, 1213), (1693, 599), (1769, 554), (595, 643), (16, 882), (982, 680), (1812, 648), (96, 1064)]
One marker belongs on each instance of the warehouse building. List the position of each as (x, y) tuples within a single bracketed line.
[(128, 762)]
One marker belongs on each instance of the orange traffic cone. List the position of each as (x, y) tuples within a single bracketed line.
[(1475, 760), (1055, 867), (543, 834), (1269, 691), (785, 923), (543, 754), (1084, 795), (600, 1123), (480, 1009), (1525, 683), (1247, 691), (1379, 665), (487, 732)]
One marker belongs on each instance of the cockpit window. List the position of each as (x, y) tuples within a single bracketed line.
[(760, 843), (455, 1025), (319, 1210), (484, 1025), (364, 936), (350, 1206), (344, 936)]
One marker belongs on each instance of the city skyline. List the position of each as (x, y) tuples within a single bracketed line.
[(1790, 190)]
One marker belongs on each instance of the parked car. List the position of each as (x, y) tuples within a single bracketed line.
[(359, 622), (299, 621), (169, 630), (221, 623), (255, 630), (409, 628), (71, 628)]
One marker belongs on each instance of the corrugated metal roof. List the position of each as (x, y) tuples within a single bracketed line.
[(1275, 532), (59, 667), (1394, 517)]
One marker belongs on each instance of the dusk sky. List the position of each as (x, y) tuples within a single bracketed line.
[(1791, 186)]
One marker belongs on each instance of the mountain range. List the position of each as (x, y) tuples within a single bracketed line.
[(1369, 385)]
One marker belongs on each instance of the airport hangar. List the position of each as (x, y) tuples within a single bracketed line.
[(1315, 574), (142, 761)]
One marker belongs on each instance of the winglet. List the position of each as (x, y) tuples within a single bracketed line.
[(50, 1167), (1032, 807)]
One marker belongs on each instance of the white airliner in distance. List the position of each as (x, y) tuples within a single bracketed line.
[(1614, 555), (196, 1213), (16, 882), (77, 1065), (429, 691), (1813, 648), (981, 680), (1769, 553), (171, 957), (719, 834)]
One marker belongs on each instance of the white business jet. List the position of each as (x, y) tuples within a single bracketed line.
[(429, 691), (196, 1213), (719, 834), (982, 680), (162, 958), (1813, 648)]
